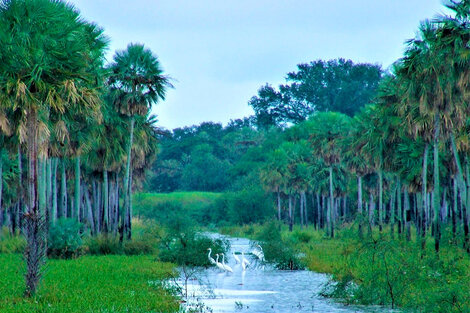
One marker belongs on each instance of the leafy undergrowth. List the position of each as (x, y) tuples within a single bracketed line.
[(89, 284)]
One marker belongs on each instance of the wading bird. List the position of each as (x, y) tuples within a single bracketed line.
[(209, 256), (245, 261), (237, 259), (218, 264), (227, 268), (258, 253)]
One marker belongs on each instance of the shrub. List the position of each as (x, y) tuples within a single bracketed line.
[(247, 206), (104, 244), (190, 249), (138, 247), (65, 239), (302, 236), (280, 252), (11, 243)]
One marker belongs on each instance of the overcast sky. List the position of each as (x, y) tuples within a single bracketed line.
[(221, 51)]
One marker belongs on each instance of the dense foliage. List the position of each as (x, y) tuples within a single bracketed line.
[(71, 128)]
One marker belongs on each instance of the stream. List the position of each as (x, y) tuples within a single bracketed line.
[(262, 288)]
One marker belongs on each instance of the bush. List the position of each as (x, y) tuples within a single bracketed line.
[(280, 252), (144, 241), (302, 236), (190, 249), (104, 244), (138, 247), (11, 243), (247, 206), (393, 273), (184, 246), (65, 239)]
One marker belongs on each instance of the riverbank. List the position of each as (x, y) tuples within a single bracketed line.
[(89, 284), (380, 270)]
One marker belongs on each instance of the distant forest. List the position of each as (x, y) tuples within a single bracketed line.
[(213, 157)]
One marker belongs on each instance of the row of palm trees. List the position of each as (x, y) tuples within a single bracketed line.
[(422, 106), (76, 133)]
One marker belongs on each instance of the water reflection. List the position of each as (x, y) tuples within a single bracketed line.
[(263, 289)]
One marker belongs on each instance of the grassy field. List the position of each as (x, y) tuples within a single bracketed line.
[(159, 205), (186, 198), (89, 284)]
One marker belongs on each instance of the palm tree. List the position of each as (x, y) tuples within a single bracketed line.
[(137, 82), (40, 75), (326, 131), (436, 70), (273, 175), (355, 161)]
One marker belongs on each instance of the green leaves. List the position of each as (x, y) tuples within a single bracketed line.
[(136, 80)]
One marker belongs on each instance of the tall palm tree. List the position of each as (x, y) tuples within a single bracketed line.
[(326, 131), (137, 82), (273, 175), (437, 76), (44, 60)]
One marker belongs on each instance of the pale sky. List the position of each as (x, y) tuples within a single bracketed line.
[(221, 51)]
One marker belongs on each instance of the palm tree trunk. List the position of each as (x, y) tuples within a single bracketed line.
[(380, 199), (331, 206), (437, 191), (371, 212), (399, 210), (1, 188), (407, 216), (318, 223), (77, 197), (105, 201), (465, 210), (301, 199), (454, 211), (91, 218), (127, 179), (34, 229), (49, 190), (392, 214), (55, 162), (425, 198), (63, 191), (305, 208), (290, 213), (360, 215), (129, 209), (18, 218)]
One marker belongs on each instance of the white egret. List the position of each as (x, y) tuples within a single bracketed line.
[(237, 259), (244, 260), (258, 253), (227, 268), (218, 264), (209, 256), (244, 265)]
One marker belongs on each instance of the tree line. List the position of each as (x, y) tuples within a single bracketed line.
[(402, 159), (350, 143), (76, 135)]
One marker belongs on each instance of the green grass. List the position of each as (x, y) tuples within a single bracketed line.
[(89, 284), (158, 206), (186, 198)]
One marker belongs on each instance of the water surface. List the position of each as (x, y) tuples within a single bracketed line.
[(262, 289)]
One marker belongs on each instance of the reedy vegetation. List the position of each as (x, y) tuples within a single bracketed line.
[(69, 123)]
